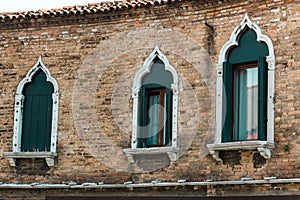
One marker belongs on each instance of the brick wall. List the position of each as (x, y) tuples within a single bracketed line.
[(94, 58)]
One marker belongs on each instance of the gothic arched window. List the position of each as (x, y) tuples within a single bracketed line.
[(36, 116), (155, 100), (245, 92)]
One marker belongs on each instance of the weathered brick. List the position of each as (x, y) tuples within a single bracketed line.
[(94, 58)]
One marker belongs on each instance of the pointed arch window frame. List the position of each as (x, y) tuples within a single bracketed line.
[(18, 115), (263, 147), (137, 83)]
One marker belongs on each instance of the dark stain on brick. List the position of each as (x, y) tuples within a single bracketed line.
[(211, 49), (231, 157), (258, 160)]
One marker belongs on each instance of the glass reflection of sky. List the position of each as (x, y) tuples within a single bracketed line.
[(252, 76)]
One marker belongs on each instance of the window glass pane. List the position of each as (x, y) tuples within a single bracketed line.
[(246, 103), (154, 119)]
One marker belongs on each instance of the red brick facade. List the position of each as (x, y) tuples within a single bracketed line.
[(94, 56)]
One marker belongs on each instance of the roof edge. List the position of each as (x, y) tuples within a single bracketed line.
[(105, 6)]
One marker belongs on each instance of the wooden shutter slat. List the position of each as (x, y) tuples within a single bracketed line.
[(227, 131), (140, 116), (169, 111), (262, 98)]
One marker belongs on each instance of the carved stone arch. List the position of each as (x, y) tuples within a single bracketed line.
[(38, 66), (235, 35), (18, 116), (147, 67)]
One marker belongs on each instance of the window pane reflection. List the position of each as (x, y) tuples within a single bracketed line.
[(246, 103)]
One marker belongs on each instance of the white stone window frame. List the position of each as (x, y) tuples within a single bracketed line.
[(263, 147), (171, 151), (18, 115)]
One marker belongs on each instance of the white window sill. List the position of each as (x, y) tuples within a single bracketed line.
[(170, 151), (48, 156), (263, 147)]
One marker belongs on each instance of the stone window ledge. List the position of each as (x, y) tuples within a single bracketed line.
[(48, 156), (170, 151), (263, 147)]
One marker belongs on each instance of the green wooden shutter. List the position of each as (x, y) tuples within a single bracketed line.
[(262, 98), (227, 102), (26, 124), (37, 114), (169, 110), (142, 105)]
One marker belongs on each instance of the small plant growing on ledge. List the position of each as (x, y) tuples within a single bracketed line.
[(286, 147)]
